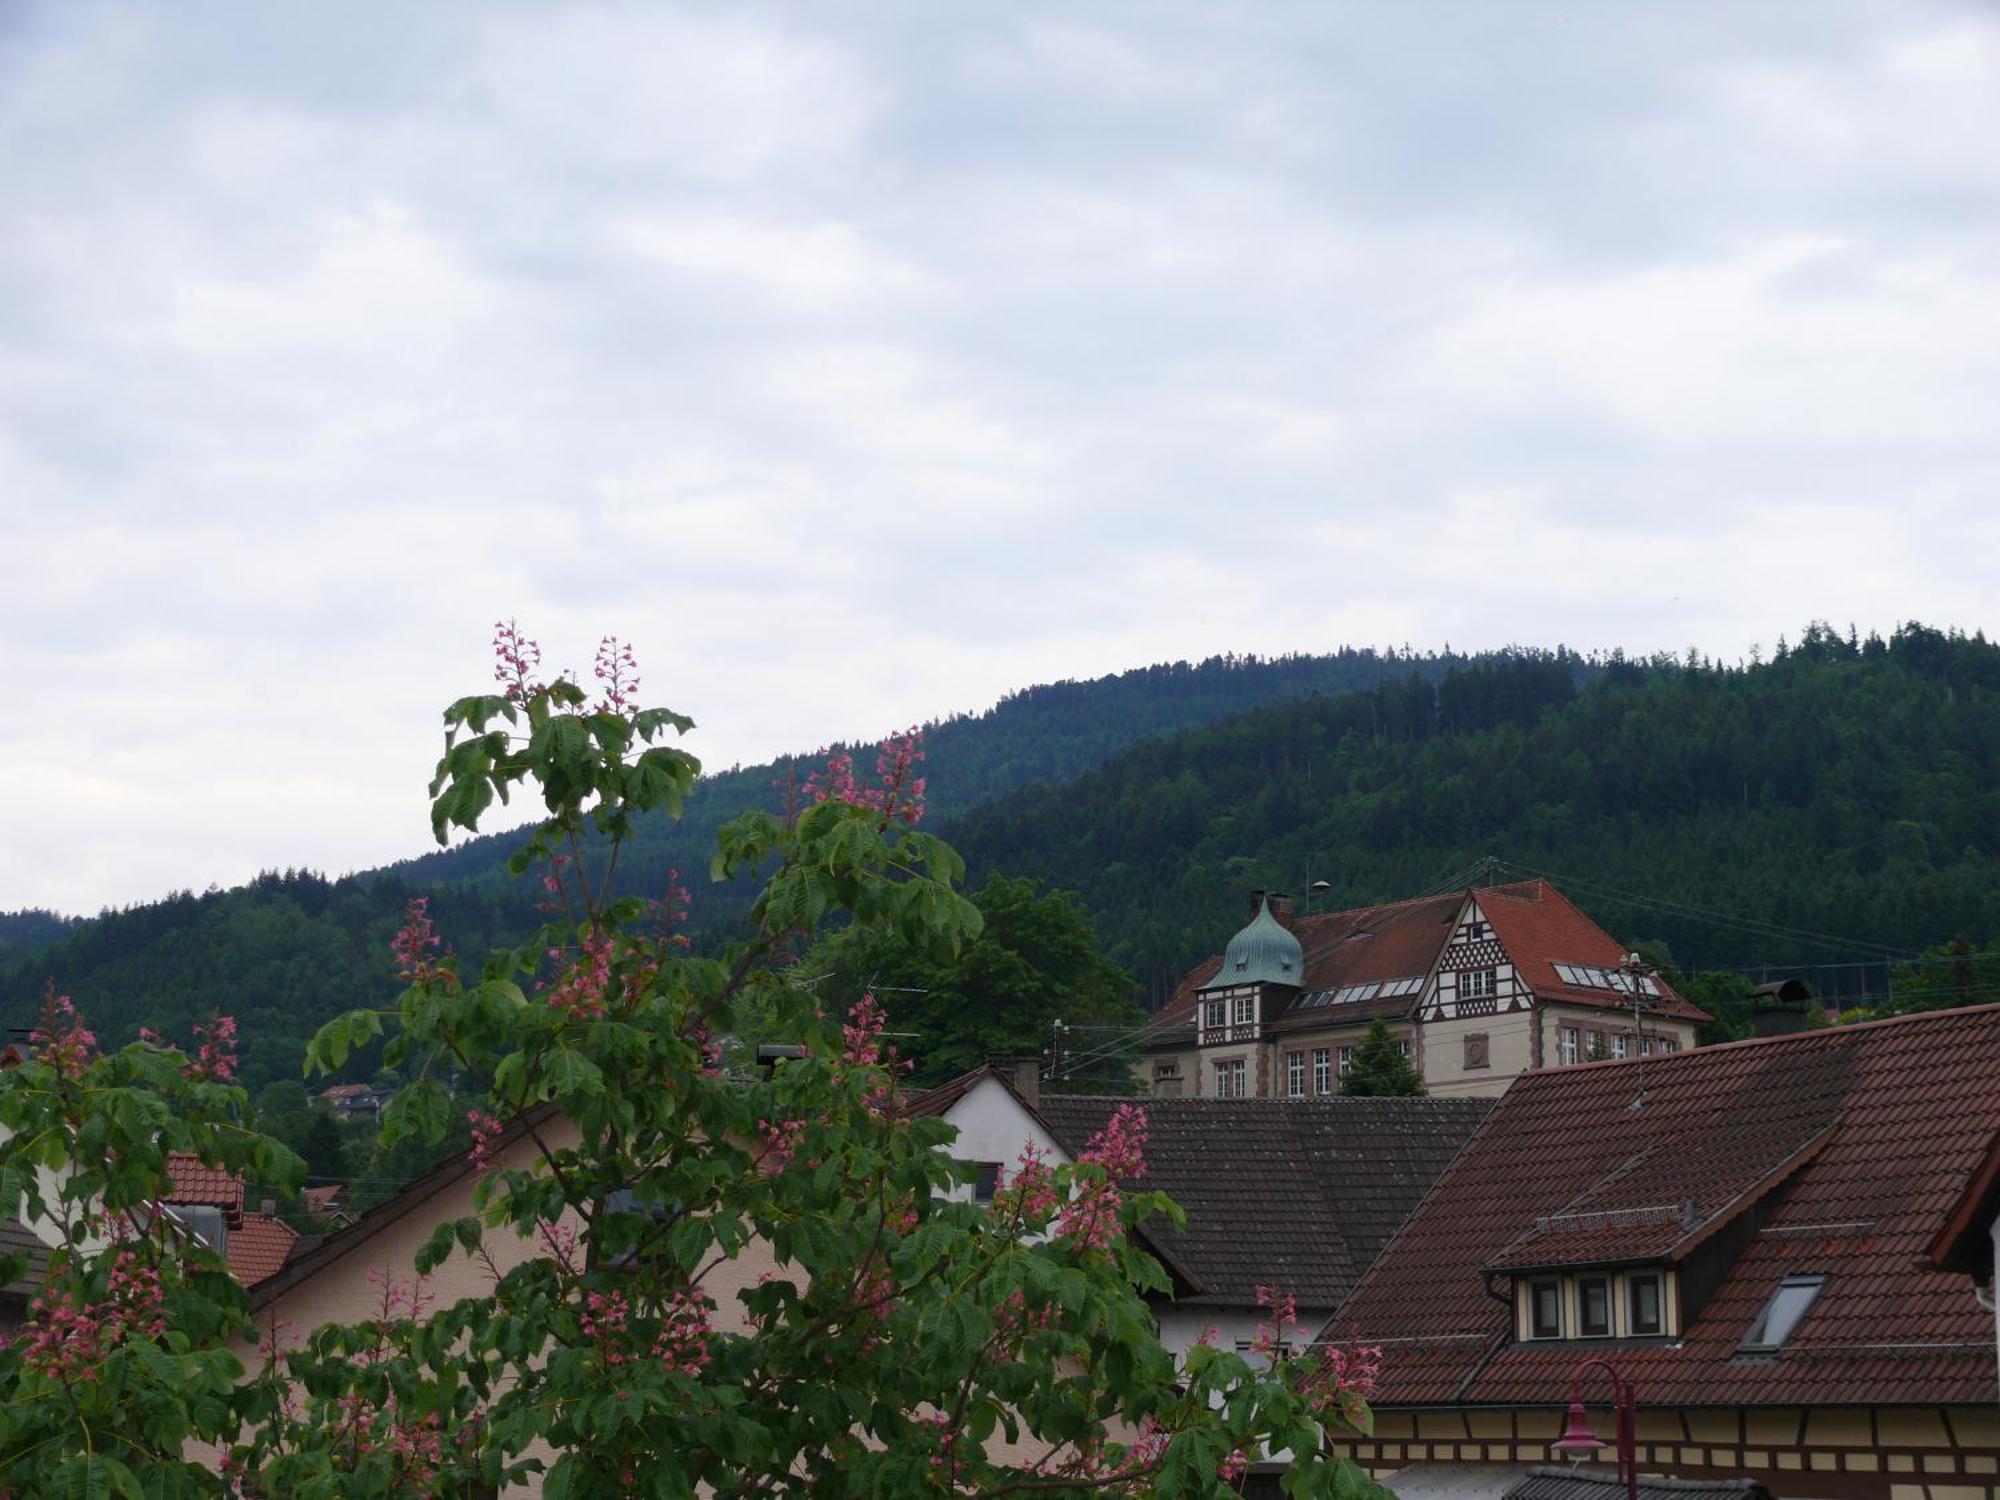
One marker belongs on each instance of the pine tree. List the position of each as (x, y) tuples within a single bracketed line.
[(1379, 1070)]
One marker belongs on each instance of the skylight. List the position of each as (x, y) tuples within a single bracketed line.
[(1354, 994), (1784, 1312), (1592, 977)]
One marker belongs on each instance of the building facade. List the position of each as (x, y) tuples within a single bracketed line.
[(1478, 986)]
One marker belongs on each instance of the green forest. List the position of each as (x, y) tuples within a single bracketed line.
[(1845, 789), (1831, 812)]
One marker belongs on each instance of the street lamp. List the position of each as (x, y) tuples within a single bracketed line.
[(1578, 1441)]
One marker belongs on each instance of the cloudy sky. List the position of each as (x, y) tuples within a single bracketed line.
[(861, 363)]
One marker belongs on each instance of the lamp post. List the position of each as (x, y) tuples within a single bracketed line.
[(1578, 1440)]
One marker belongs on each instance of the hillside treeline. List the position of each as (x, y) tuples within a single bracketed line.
[(1845, 788)]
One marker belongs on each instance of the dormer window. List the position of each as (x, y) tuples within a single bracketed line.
[(1218, 1015), (1545, 1309), (1643, 1311), (1787, 1308), (1602, 1303), (1242, 1010), (1593, 1307)]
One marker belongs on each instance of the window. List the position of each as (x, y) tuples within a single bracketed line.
[(1322, 1070), (1642, 1304), (1593, 1307), (1217, 1011), (1668, 1044), (1167, 1070), (1229, 1079), (1645, 1045), (1621, 1044), (1295, 1074), (1346, 1061), (1545, 1309), (985, 1180), (1570, 1044), (1242, 1010), (1784, 1312), (1475, 984), (1475, 1050)]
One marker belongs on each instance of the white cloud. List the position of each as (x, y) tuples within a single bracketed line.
[(864, 369)]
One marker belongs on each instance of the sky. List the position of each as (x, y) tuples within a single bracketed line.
[(862, 363)]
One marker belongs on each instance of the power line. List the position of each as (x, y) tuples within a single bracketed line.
[(1685, 909)]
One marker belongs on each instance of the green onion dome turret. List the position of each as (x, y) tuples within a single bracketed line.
[(1262, 953)]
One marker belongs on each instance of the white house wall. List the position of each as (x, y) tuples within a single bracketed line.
[(992, 1126)]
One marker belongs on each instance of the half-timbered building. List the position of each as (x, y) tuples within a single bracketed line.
[(1478, 986)]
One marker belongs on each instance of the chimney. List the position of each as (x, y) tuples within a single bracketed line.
[(268, 1207), (1780, 1008), (1281, 904), (1257, 900), (1025, 1073)]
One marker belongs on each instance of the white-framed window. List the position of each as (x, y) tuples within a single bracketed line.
[(1229, 1079), (1621, 1044), (1295, 1074), (1346, 1061), (1593, 1307), (1476, 984), (1645, 1308), (1216, 1012), (1570, 1044), (1545, 1309), (1645, 1045), (1322, 1070), (1242, 1010), (1669, 1044)]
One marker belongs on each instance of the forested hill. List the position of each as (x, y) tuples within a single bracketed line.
[(287, 951), (1049, 733), (1844, 788)]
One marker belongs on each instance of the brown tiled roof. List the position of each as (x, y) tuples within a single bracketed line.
[(258, 1248), (1891, 1118), (211, 1186), (1537, 925), (302, 1264), (1607, 1224), (1540, 927), (1965, 1240), (319, 1200), (1369, 943), (1298, 1193)]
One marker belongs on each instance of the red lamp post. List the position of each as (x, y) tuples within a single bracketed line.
[(1578, 1440)]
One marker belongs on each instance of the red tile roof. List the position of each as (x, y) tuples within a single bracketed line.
[(258, 1248), (1537, 925), (1540, 927), (1889, 1120), (196, 1183), (1369, 943)]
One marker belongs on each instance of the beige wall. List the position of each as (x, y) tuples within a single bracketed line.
[(342, 1291), (1510, 1043), (1590, 1018)]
